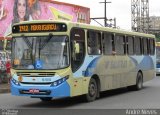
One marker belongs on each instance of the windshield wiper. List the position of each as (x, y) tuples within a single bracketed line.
[(27, 42), (46, 41)]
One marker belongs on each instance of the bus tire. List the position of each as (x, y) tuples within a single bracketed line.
[(92, 90), (45, 99), (139, 83)]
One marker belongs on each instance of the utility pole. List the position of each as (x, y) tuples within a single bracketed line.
[(105, 17)]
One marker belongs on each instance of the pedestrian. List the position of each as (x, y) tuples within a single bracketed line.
[(8, 72)]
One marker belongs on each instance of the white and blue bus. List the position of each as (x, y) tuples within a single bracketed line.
[(56, 59)]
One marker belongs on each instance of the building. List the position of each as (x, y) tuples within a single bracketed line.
[(154, 26), (154, 23)]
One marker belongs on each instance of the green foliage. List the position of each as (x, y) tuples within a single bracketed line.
[(157, 37)]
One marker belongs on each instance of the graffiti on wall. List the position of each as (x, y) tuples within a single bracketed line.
[(4, 56)]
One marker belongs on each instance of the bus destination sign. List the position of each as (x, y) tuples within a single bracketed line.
[(48, 27)]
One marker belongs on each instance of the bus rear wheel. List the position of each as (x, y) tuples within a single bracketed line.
[(92, 90), (139, 83), (45, 99)]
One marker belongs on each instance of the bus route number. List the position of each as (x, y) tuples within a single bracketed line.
[(23, 28)]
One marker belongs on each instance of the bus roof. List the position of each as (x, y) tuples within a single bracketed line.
[(88, 26)]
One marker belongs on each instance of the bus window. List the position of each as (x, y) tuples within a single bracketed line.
[(145, 46), (119, 44), (141, 46), (77, 36), (130, 45), (152, 47), (108, 43), (125, 45), (94, 43), (137, 46)]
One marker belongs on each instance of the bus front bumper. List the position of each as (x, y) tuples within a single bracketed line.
[(63, 90)]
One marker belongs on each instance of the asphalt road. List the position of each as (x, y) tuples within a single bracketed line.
[(147, 98)]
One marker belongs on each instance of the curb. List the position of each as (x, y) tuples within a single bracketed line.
[(4, 90)]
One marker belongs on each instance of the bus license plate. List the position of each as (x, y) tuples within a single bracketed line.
[(34, 91)]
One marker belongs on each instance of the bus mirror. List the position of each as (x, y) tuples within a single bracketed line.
[(77, 49)]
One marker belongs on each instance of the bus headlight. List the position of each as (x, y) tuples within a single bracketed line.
[(15, 81), (60, 81)]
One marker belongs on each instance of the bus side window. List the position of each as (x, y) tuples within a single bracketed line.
[(94, 43), (152, 46), (137, 45), (145, 46), (108, 43), (77, 36), (119, 44), (130, 45)]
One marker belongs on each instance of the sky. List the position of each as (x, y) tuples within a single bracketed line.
[(119, 9)]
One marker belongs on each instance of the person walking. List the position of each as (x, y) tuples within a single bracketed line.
[(8, 72)]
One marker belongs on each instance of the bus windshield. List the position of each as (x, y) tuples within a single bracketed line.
[(48, 52)]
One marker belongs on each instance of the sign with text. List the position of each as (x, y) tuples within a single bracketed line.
[(44, 27)]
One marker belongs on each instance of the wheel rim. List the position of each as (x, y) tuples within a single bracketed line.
[(140, 82), (92, 89)]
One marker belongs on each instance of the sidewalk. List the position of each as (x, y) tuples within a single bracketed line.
[(4, 88)]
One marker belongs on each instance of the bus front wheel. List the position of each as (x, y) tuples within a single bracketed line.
[(92, 90)]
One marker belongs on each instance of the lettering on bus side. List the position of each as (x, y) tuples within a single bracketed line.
[(116, 64)]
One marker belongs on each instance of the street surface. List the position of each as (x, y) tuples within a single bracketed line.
[(147, 98)]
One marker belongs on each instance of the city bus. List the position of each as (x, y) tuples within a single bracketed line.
[(58, 59), (157, 58)]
